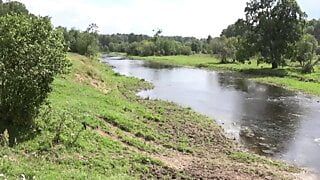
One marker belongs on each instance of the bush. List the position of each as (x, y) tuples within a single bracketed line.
[(32, 53)]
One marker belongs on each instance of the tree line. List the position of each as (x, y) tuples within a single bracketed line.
[(82, 42), (143, 45), (275, 32)]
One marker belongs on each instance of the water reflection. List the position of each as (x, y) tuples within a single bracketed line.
[(156, 65), (267, 119)]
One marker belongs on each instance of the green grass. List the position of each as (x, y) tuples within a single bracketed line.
[(252, 159), (90, 156), (289, 77), (293, 84), (202, 60), (125, 137)]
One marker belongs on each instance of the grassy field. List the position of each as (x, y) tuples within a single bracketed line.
[(288, 77), (97, 128)]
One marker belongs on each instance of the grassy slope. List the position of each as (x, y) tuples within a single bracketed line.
[(287, 77), (125, 137)]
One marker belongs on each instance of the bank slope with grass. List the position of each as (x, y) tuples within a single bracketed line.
[(288, 77), (97, 128)]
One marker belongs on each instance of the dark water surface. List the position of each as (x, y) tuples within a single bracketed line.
[(268, 120)]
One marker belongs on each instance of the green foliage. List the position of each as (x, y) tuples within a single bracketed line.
[(196, 46), (224, 47), (32, 53), (209, 39), (244, 49), (314, 28), (82, 42), (86, 44), (12, 7), (143, 45), (161, 46), (276, 26), (234, 30), (305, 51), (143, 48), (241, 34), (167, 47)]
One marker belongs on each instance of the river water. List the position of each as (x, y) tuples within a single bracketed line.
[(268, 120)]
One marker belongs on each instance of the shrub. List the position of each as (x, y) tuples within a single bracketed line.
[(32, 53)]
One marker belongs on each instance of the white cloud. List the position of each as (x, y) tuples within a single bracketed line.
[(176, 17)]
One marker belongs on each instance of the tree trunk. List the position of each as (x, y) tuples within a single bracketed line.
[(274, 65), (13, 134)]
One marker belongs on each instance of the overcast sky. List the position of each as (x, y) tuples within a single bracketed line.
[(197, 18)]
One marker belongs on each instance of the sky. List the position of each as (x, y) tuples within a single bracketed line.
[(198, 18)]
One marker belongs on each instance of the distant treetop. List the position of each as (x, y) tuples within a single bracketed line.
[(12, 7)]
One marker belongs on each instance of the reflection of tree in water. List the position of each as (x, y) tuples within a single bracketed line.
[(156, 65), (233, 80), (268, 111), (155, 71)]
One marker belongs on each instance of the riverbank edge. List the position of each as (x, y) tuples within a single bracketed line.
[(286, 82), (306, 172), (126, 137)]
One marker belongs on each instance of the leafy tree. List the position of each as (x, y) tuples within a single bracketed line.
[(162, 46), (71, 38), (144, 48), (184, 50), (32, 53), (305, 52), (142, 45), (66, 36), (276, 25), (224, 47), (93, 28), (84, 43), (314, 28), (104, 42), (196, 46), (244, 49), (237, 29), (157, 34), (136, 38), (12, 7), (233, 44), (209, 39)]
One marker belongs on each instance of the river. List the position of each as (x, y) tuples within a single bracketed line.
[(265, 119)]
